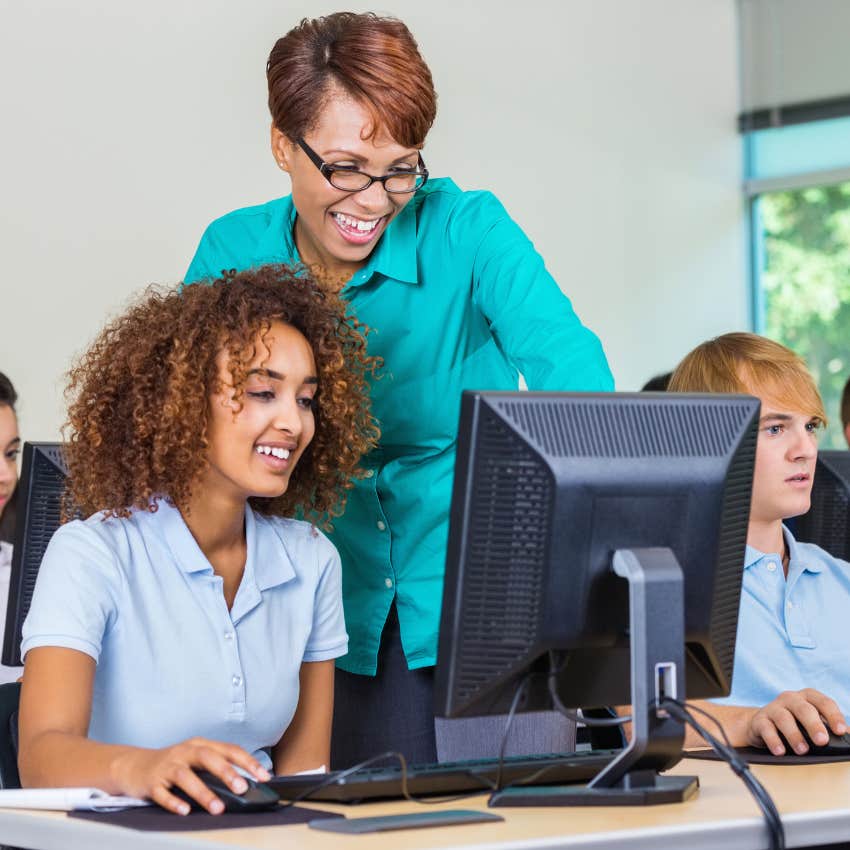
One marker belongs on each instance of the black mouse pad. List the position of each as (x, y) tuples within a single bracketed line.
[(155, 819), (758, 755)]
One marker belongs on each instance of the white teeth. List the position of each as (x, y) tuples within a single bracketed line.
[(283, 454), (358, 224)]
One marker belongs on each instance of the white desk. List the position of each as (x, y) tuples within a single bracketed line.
[(814, 802)]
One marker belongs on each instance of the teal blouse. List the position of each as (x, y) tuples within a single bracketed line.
[(457, 298)]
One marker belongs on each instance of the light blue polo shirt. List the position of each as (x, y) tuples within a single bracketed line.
[(139, 596), (792, 633)]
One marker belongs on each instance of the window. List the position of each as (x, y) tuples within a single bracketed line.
[(799, 190)]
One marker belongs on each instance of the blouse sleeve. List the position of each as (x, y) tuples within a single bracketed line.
[(530, 317)]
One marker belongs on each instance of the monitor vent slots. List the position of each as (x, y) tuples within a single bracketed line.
[(733, 527), (599, 429), (507, 554), (49, 481), (828, 522)]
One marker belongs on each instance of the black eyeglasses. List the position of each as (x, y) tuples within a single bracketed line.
[(350, 179)]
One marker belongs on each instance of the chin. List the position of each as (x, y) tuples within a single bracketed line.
[(792, 511), (267, 492)]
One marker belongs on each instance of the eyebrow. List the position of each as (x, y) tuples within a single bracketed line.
[(784, 417), (12, 443), (364, 159), (278, 376)]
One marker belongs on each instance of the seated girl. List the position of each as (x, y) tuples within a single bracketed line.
[(187, 623)]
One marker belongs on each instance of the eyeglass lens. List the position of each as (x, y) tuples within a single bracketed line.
[(353, 181)]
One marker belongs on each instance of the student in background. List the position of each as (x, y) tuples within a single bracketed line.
[(845, 411), (790, 668), (10, 445), (188, 622), (657, 383)]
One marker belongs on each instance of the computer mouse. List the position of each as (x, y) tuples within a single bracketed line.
[(837, 745), (257, 798)]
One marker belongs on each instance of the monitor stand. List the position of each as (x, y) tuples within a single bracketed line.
[(657, 632)]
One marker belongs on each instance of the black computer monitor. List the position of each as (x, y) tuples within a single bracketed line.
[(40, 492), (828, 521), (557, 498)]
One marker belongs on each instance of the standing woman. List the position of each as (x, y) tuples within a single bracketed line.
[(456, 297)]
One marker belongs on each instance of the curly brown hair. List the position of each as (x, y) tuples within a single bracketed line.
[(139, 397)]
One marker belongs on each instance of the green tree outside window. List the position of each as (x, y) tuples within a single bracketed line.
[(806, 284)]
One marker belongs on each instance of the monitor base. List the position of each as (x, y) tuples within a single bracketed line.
[(664, 789)]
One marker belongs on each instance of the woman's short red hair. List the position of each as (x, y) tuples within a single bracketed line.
[(374, 60)]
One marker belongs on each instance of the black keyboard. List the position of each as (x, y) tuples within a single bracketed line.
[(448, 778)]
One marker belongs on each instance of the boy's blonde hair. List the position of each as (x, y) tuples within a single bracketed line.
[(751, 364)]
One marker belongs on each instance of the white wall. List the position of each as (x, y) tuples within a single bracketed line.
[(606, 127), (793, 51)]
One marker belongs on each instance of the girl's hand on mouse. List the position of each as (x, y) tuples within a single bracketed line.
[(152, 773), (790, 712)]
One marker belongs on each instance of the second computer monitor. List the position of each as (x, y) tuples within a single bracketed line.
[(547, 487), (828, 521), (40, 493)]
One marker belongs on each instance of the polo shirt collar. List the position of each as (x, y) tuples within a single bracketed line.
[(270, 554), (187, 554), (268, 564), (797, 561)]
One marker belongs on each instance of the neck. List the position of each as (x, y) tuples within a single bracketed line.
[(333, 273), (217, 522), (766, 536)]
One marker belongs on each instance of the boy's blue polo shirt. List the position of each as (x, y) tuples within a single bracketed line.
[(139, 596), (456, 298), (792, 632)]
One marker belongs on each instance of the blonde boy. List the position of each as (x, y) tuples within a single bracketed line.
[(791, 660)]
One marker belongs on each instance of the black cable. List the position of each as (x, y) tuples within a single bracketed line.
[(504, 743), (334, 777), (577, 716), (487, 784), (682, 711)]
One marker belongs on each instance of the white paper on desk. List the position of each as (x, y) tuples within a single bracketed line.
[(66, 799), (322, 769)]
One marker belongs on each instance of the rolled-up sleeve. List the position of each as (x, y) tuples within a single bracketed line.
[(531, 318)]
